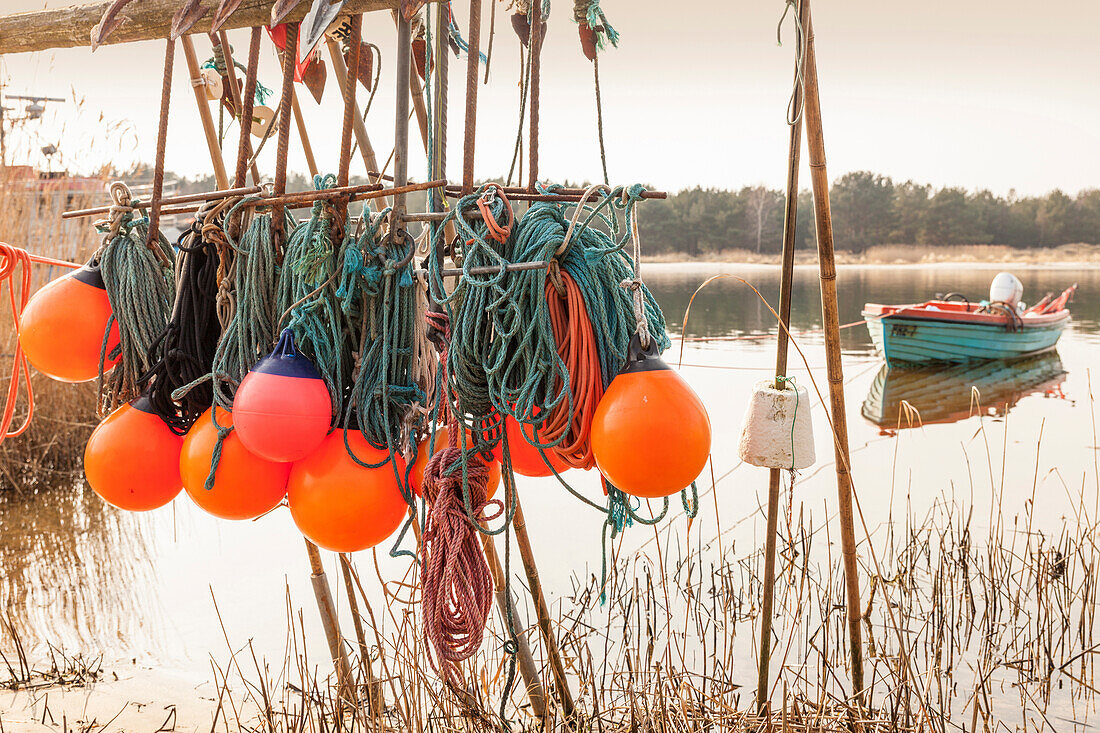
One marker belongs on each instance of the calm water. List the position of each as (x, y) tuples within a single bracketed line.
[(76, 573)]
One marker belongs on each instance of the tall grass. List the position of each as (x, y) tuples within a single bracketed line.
[(64, 415)]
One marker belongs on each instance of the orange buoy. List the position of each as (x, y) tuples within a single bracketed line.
[(282, 408), (650, 433), (132, 459), (340, 505), (245, 485), (526, 460), (61, 329), (416, 475)]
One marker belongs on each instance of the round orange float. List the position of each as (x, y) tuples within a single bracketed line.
[(416, 475), (61, 329), (340, 505), (245, 485), (650, 432), (526, 460), (132, 459)]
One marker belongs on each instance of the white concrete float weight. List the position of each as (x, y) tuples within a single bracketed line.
[(777, 431)]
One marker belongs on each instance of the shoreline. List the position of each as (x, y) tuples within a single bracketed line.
[(1067, 256)]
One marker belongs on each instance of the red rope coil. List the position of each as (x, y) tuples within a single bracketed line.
[(457, 584)]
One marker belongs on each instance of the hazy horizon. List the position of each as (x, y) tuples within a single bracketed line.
[(940, 93)]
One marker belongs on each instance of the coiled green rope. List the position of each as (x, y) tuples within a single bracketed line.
[(141, 289), (306, 296), (253, 329)]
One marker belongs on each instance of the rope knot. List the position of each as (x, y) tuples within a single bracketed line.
[(636, 288), (553, 271)]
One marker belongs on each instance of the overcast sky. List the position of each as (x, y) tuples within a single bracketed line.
[(952, 92)]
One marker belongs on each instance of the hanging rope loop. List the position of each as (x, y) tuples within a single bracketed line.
[(796, 102), (119, 216)]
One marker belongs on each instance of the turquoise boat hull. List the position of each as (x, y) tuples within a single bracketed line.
[(901, 340)]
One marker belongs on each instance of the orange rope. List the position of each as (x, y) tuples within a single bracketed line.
[(496, 231), (13, 259), (577, 348)]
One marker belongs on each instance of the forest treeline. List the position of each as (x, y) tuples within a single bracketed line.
[(868, 209)]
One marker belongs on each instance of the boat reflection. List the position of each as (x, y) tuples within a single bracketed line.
[(941, 394)]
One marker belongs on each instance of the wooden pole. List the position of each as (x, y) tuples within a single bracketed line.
[(535, 45), (374, 687), (359, 127), (303, 134), (790, 220), (542, 610), (199, 88), (278, 218), (67, 27), (473, 54), (221, 40), (329, 622), (831, 320), (162, 141), (536, 694)]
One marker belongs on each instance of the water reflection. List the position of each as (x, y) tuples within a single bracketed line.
[(941, 394), (73, 570), (76, 572)]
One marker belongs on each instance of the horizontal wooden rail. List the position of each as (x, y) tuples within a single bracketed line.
[(191, 202), (39, 30)]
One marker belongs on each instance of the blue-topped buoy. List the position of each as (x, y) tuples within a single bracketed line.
[(282, 410)]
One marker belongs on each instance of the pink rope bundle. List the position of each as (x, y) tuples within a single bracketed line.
[(457, 585)]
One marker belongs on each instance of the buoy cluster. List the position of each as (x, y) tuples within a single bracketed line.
[(281, 436), (238, 464), (274, 444)]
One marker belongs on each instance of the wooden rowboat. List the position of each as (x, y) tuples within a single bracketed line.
[(957, 331)]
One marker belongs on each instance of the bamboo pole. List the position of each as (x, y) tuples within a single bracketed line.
[(199, 88), (831, 320), (790, 220), (162, 141)]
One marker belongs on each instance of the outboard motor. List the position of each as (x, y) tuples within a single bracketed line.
[(1006, 288)]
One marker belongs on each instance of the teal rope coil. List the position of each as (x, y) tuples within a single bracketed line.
[(503, 358), (140, 286), (252, 330), (377, 291), (306, 296)]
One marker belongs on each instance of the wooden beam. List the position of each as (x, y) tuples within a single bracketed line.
[(70, 27)]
